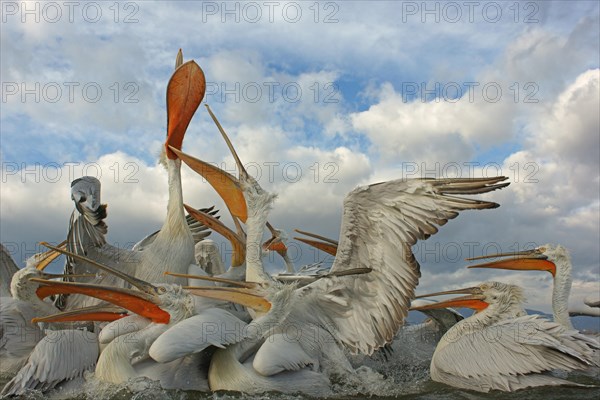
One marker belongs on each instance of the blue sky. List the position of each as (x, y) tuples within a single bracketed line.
[(361, 117)]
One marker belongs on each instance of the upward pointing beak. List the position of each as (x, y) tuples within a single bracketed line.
[(528, 260), (185, 92), (44, 259)]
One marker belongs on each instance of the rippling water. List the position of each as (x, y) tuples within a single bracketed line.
[(394, 380)]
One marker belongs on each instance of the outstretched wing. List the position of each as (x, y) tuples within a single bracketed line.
[(61, 355), (512, 354), (380, 224)]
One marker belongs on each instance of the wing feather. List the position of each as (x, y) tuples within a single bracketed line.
[(504, 355), (59, 356), (380, 224)]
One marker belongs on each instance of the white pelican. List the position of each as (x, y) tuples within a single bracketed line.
[(554, 259), (158, 307), (229, 188), (40, 359), (18, 336), (173, 246), (493, 350), (361, 310)]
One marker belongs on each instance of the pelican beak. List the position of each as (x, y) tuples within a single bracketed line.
[(138, 283), (246, 297), (225, 184), (185, 92), (471, 290), (324, 244), (106, 313), (472, 301), (44, 259), (275, 244), (527, 260), (237, 243), (247, 285), (143, 302)]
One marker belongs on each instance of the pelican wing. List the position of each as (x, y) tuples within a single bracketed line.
[(511, 354), (59, 356), (212, 327), (199, 230), (7, 270), (18, 336), (380, 224)]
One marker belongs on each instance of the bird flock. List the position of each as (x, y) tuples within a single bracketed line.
[(170, 311)]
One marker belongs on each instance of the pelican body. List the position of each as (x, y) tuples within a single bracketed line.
[(496, 350)]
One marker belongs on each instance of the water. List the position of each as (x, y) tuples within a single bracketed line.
[(397, 381)]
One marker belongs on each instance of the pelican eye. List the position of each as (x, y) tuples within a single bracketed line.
[(161, 290)]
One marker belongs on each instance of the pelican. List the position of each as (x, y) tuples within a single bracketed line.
[(173, 246), (39, 359), (494, 350), (157, 308), (361, 305), (228, 187), (550, 258), (18, 336)]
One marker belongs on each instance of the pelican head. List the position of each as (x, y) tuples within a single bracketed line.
[(488, 294), (544, 258)]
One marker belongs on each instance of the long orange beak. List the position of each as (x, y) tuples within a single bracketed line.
[(528, 260), (225, 184), (185, 92), (475, 302), (135, 301), (106, 313), (143, 302), (324, 244)]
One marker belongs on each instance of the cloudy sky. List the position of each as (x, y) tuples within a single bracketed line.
[(318, 97)]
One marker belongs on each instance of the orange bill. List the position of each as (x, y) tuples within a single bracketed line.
[(101, 313), (474, 302), (526, 260), (225, 184), (245, 297), (328, 248), (237, 243), (185, 92), (135, 301)]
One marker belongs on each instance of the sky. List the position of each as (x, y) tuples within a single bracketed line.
[(318, 98)]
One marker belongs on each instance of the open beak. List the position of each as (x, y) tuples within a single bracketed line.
[(472, 301), (225, 184), (527, 260), (44, 259), (329, 246), (102, 312), (143, 302), (246, 297), (185, 92)]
